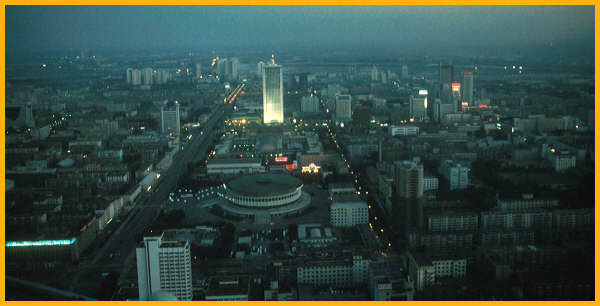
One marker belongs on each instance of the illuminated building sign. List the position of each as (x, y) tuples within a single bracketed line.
[(39, 243), (311, 168), (465, 105), (423, 92), (456, 87), (289, 167), (281, 159)]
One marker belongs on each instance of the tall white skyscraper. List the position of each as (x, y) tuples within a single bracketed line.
[(198, 70), (164, 264), (418, 106), (467, 95), (272, 94), (169, 120)]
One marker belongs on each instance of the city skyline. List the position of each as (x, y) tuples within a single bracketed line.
[(393, 153)]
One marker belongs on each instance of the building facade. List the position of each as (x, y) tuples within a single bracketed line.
[(164, 264), (272, 94)]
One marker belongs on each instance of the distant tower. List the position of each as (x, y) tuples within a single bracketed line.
[(468, 88), (272, 93), (164, 264), (404, 72), (198, 70), (446, 78), (261, 65), (374, 73)]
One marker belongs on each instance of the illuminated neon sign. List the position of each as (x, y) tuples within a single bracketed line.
[(289, 167), (39, 243), (456, 87), (281, 159)]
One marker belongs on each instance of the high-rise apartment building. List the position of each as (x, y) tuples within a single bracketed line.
[(164, 264), (169, 120), (408, 177), (272, 94), (147, 76)]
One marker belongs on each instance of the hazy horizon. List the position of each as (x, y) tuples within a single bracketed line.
[(564, 30)]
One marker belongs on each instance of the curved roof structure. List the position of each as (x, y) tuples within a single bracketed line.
[(264, 184)]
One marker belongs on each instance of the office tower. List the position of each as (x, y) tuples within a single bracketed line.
[(467, 95), (418, 106), (147, 76), (361, 117), (198, 70), (169, 119), (261, 65), (456, 174), (136, 77), (164, 264), (374, 73), (343, 108), (161, 76), (272, 94), (383, 77), (309, 104), (129, 72), (404, 72), (446, 78)]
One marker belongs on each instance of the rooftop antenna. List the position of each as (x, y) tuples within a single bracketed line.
[(273, 58)]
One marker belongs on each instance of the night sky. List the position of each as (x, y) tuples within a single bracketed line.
[(54, 28)]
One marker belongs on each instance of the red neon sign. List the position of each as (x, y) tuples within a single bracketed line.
[(456, 87), (281, 159), (289, 167)]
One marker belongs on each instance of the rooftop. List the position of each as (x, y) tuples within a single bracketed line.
[(264, 184)]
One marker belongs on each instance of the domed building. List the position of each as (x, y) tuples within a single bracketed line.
[(264, 195), (263, 190)]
